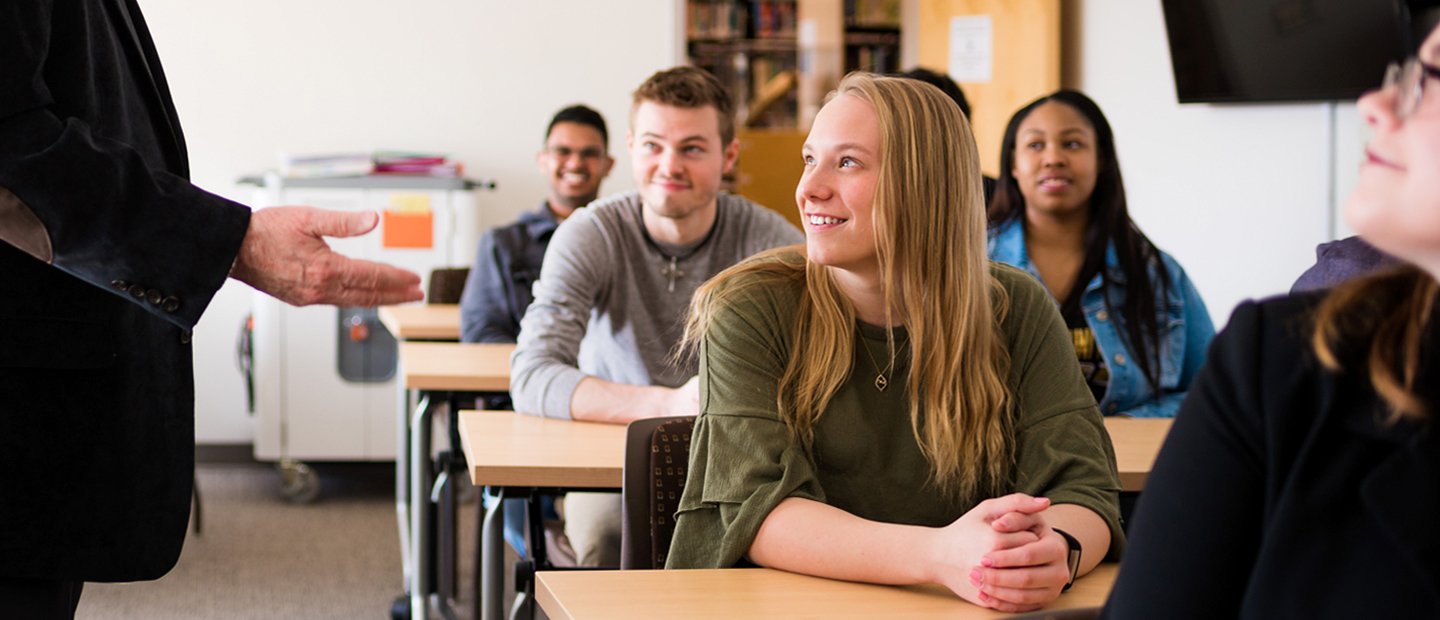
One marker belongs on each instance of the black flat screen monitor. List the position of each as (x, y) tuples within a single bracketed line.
[(1282, 50)]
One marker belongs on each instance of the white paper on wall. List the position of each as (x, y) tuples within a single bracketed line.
[(972, 50)]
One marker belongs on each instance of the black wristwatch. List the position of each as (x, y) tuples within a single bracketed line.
[(1072, 558)]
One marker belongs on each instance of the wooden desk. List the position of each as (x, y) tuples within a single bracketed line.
[(513, 450), (422, 321), (456, 367), (447, 372), (1136, 441), (765, 593), (515, 453), (505, 449)]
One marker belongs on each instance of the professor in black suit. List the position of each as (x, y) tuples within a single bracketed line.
[(108, 257)]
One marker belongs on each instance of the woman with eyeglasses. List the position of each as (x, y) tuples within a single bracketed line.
[(1302, 476)]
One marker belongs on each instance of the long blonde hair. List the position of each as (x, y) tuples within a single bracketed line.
[(929, 226), (1375, 325)]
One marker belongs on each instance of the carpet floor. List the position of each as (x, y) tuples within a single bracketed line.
[(260, 556)]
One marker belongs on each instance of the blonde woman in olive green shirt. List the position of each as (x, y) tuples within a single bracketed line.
[(890, 407)]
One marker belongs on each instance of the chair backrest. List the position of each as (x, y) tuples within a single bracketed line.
[(446, 284), (657, 456)]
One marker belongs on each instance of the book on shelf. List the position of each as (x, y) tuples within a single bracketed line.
[(330, 165), (314, 166), (426, 164)]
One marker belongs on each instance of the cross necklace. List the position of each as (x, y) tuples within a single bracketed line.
[(672, 271)]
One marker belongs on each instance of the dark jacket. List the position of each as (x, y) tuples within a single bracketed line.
[(108, 256), (507, 263), (1281, 493)]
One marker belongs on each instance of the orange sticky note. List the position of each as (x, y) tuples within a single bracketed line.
[(407, 229)]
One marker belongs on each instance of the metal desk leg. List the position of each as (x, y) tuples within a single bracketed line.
[(422, 514), (419, 453), (492, 562), (402, 485)]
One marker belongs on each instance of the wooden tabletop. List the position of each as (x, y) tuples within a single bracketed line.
[(422, 321), (456, 367), (1137, 441), (765, 593), (504, 448)]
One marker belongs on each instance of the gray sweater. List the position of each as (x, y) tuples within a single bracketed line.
[(604, 305)]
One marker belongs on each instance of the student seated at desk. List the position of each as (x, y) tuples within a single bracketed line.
[(575, 159), (1139, 327), (886, 405), (1302, 476), (610, 303)]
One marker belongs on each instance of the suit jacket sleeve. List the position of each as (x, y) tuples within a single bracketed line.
[(92, 206)]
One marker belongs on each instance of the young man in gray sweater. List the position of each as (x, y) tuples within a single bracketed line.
[(617, 279)]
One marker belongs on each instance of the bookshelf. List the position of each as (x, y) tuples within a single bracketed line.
[(751, 46), (779, 58), (872, 36)]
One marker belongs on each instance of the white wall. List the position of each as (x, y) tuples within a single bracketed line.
[(478, 79), (1239, 194)]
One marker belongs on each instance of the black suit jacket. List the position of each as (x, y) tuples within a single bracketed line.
[(1282, 493), (109, 256)]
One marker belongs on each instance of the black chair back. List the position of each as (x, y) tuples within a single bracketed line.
[(446, 284), (657, 456)]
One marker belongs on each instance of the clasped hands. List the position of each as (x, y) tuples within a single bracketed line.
[(1002, 555), (284, 255)]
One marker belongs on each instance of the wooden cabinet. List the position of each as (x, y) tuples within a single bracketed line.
[(1024, 59), (769, 169)]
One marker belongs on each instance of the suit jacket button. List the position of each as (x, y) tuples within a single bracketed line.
[(153, 296), (170, 304), (120, 285), (184, 336), (137, 291)]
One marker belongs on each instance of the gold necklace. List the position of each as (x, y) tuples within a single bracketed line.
[(882, 379)]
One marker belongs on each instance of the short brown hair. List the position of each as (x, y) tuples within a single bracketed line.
[(689, 87)]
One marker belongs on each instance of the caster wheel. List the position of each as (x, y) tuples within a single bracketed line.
[(299, 483), (400, 608)]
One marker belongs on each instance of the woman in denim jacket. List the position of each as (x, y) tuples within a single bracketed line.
[(1139, 326)]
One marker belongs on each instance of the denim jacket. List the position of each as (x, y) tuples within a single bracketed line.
[(1184, 323)]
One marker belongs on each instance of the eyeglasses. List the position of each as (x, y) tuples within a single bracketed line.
[(564, 152), (1409, 80)]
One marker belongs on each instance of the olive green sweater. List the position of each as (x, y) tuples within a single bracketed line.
[(865, 459)]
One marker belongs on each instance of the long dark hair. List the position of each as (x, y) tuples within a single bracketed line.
[(1146, 280)]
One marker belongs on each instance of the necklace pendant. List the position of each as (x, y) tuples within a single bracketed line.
[(672, 272), (881, 382)]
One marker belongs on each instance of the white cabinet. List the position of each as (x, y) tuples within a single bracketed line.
[(324, 377)]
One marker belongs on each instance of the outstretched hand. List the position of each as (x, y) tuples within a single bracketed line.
[(285, 256)]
